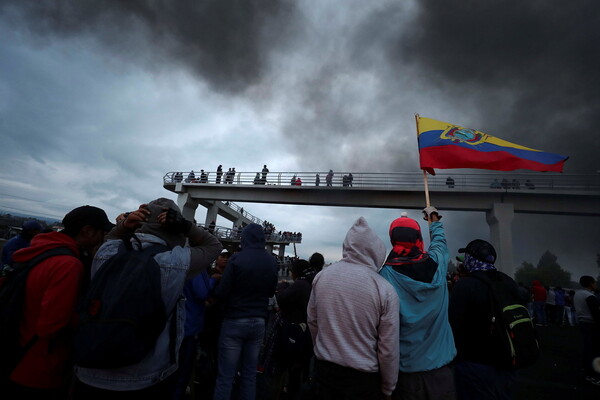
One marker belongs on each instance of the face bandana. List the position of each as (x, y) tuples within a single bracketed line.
[(472, 264), (407, 242)]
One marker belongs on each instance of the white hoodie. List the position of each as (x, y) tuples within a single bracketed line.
[(353, 312)]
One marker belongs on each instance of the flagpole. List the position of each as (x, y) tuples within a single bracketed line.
[(425, 182)]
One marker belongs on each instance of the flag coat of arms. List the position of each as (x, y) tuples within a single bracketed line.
[(443, 145)]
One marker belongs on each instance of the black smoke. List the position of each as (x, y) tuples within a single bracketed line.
[(224, 42), (533, 66)]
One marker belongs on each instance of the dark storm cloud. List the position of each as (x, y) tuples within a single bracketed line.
[(222, 41), (533, 66), (347, 115)]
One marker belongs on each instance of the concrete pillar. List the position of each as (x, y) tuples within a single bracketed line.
[(211, 213), (239, 221), (269, 248), (281, 251), (187, 205), (499, 218)]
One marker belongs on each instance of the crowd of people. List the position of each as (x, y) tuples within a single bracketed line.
[(370, 326), (260, 178), (513, 184), (347, 179)]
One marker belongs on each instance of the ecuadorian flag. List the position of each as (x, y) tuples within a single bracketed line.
[(443, 145)]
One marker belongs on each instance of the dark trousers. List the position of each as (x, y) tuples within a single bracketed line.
[(187, 357), (437, 384), (334, 382), (476, 381), (161, 390), (11, 390), (590, 335)]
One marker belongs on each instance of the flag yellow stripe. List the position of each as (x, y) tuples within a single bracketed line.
[(427, 124)]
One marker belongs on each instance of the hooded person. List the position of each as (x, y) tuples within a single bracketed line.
[(353, 321), (419, 278), (191, 251), (247, 284)]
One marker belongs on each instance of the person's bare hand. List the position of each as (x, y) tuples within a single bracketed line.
[(134, 219)]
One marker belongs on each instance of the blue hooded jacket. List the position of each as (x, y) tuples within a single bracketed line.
[(250, 278), (426, 340)]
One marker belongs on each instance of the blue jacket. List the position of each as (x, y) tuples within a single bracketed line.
[(196, 292), (250, 278), (426, 340)]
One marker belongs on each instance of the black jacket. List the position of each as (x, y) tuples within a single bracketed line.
[(470, 318), (249, 279)]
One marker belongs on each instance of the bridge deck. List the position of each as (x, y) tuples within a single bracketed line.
[(549, 193)]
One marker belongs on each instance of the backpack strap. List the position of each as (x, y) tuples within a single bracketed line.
[(13, 276), (18, 267)]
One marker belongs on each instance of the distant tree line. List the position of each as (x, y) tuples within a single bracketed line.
[(548, 271)]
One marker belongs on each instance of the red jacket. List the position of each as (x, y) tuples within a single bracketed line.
[(538, 291), (49, 311)]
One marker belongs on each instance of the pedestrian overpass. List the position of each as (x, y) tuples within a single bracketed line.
[(498, 195)]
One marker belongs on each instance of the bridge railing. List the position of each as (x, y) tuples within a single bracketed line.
[(245, 213), (389, 180), (235, 234)]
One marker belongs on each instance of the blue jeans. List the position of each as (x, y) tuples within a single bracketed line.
[(239, 345), (539, 313)]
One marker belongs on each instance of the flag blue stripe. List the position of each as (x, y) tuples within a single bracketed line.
[(432, 138)]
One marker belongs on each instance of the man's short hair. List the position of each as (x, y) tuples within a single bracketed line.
[(586, 281), (83, 216)]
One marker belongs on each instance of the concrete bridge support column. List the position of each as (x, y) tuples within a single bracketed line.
[(281, 251), (187, 205), (499, 218), (239, 221), (211, 213)]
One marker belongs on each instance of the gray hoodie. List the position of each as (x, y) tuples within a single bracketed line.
[(353, 312)]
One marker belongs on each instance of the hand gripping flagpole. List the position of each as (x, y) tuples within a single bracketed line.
[(424, 172)]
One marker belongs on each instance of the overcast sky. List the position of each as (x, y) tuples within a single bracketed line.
[(98, 100)]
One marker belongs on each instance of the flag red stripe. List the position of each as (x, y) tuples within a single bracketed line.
[(450, 156)]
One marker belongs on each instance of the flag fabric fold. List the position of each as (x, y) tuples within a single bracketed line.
[(443, 145)]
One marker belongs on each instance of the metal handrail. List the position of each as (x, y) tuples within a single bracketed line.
[(389, 180), (223, 232), (244, 213)]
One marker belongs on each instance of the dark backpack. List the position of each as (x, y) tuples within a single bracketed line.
[(511, 324), (122, 313), (13, 280)]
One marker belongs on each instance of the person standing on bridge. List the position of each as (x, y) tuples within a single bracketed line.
[(329, 178), (219, 174), (419, 277), (265, 171)]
